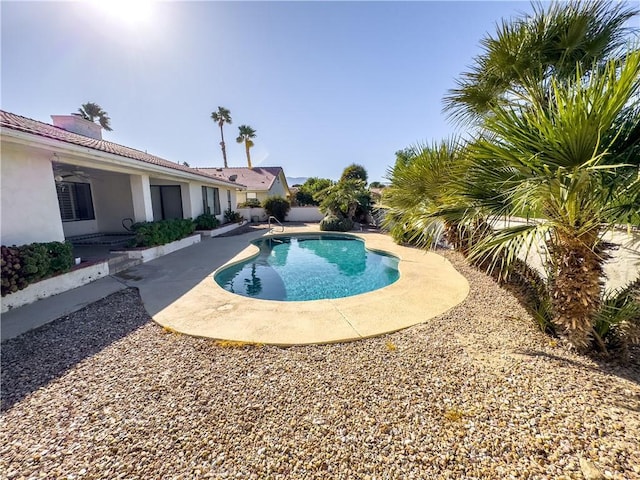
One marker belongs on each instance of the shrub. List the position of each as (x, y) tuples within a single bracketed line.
[(278, 207), (27, 264), (232, 216), (150, 234), (61, 254), (12, 277), (206, 221), (334, 223), (250, 203)]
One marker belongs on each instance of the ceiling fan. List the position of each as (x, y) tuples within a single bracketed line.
[(61, 173)]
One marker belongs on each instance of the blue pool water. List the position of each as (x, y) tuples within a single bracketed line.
[(304, 267)]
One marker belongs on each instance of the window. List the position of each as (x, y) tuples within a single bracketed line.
[(252, 195), (211, 200), (166, 201), (74, 200), (229, 198)]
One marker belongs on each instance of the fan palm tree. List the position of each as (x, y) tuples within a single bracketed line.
[(526, 52), (92, 111), (555, 161), (343, 199), (423, 188), (246, 136), (221, 117)]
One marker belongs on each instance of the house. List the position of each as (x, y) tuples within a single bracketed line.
[(261, 182), (63, 180)]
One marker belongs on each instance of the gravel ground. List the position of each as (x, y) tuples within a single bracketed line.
[(475, 393)]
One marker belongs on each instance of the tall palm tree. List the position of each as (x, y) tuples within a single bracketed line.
[(527, 51), (221, 117), (92, 111), (246, 136), (554, 161)]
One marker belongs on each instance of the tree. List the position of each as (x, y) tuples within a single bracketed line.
[(246, 136), (354, 172), (221, 117), (377, 185), (344, 198), (557, 104), (308, 193), (555, 162), (526, 52), (424, 200), (92, 111)]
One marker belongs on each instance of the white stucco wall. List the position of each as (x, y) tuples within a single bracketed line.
[(277, 189), (304, 214), (28, 195), (82, 227), (296, 214)]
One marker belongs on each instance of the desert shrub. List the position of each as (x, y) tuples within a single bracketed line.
[(30, 263), (150, 234), (231, 216), (206, 221), (333, 223), (250, 203), (277, 206)]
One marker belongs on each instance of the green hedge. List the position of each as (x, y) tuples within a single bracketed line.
[(151, 234), (206, 221), (30, 263)]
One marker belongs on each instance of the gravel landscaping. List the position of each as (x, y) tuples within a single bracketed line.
[(476, 393)]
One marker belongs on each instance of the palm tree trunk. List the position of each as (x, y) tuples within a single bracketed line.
[(224, 150), (576, 284), (246, 146)]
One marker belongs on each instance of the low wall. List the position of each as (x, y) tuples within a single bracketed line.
[(296, 214), (304, 214), (54, 285), (220, 230), (151, 253)]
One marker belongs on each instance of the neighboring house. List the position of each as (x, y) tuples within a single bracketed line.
[(63, 180), (261, 182)]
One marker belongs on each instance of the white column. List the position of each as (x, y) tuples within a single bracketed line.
[(193, 200), (141, 194)]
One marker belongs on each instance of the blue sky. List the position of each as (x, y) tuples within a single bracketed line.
[(324, 84)]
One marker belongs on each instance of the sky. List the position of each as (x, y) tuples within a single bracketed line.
[(324, 84)]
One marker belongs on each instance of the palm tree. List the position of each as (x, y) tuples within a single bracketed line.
[(424, 192), (92, 111), (221, 117), (343, 199), (555, 161), (527, 52), (246, 136)]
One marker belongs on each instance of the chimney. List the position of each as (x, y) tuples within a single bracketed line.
[(76, 124)]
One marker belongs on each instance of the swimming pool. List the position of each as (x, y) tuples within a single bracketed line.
[(309, 267)]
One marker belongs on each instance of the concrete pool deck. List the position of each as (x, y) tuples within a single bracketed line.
[(179, 293)]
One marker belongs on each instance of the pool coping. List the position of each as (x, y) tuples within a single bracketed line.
[(428, 286)]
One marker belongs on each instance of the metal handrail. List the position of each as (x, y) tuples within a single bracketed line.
[(277, 221)]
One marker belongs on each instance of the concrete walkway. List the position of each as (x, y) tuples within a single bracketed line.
[(20, 320)]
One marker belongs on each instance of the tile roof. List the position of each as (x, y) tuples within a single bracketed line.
[(256, 178), (16, 122)]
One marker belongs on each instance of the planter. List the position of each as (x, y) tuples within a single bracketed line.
[(220, 230), (54, 285), (151, 253)]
